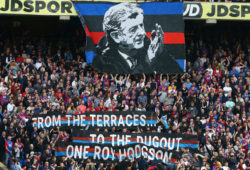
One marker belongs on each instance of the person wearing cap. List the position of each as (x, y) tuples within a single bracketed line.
[(232, 162)]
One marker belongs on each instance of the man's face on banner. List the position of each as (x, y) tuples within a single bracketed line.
[(132, 33)]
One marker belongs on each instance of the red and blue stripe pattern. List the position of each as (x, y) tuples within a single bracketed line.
[(187, 141), (119, 120), (183, 143), (113, 153)]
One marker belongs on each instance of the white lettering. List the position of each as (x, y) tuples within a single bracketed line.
[(139, 139), (93, 136), (169, 144), (40, 122), (69, 151), (92, 119), (159, 155), (113, 120), (78, 152), (130, 153), (144, 151), (68, 117), (136, 119), (85, 152), (121, 122), (100, 138), (129, 117), (192, 11), (127, 140), (99, 120), (47, 121), (137, 151), (151, 155), (178, 143), (143, 120), (106, 121), (56, 122), (155, 144), (76, 119), (122, 154), (113, 139), (163, 142), (82, 124), (167, 157), (113, 153), (105, 150), (33, 120), (97, 152), (120, 140)]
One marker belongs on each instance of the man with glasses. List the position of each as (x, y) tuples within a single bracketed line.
[(126, 48)]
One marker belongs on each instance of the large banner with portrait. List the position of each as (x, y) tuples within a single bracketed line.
[(134, 37), (105, 120)]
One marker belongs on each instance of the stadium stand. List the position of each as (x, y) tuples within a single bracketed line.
[(43, 70)]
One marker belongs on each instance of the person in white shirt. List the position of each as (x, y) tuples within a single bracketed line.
[(210, 70), (54, 75), (140, 107), (83, 63), (107, 100), (17, 151), (3, 89), (9, 58), (141, 84), (203, 120), (227, 89), (39, 63), (225, 167), (120, 80), (128, 81), (11, 107), (74, 83), (239, 66), (203, 59), (126, 107)]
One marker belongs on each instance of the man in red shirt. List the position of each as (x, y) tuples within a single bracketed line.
[(19, 59), (82, 107)]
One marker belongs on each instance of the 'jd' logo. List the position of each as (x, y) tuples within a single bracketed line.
[(192, 10)]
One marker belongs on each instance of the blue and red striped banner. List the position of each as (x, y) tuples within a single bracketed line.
[(108, 153), (128, 119), (149, 139), (115, 146)]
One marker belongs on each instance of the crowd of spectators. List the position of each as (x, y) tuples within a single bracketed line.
[(210, 100)]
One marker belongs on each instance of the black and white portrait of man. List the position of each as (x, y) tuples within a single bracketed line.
[(126, 48)]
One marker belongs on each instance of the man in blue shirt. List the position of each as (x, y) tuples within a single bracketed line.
[(8, 149), (234, 71)]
